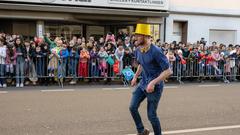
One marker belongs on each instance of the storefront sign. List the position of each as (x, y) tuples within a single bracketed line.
[(132, 4), (157, 3)]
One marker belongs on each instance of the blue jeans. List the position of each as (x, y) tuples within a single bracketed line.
[(73, 67), (39, 67), (10, 68), (152, 104), (20, 71), (201, 68), (179, 70), (2, 74), (209, 69), (94, 70)]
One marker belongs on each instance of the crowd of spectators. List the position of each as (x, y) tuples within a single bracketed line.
[(43, 60)]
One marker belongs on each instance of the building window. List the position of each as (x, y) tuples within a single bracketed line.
[(222, 36), (64, 30), (180, 31)]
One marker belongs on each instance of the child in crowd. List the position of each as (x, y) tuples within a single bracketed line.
[(83, 63), (53, 59), (102, 61), (119, 53), (216, 58), (209, 60), (63, 57), (94, 62)]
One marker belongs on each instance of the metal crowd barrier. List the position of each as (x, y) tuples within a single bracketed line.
[(225, 70), (45, 69)]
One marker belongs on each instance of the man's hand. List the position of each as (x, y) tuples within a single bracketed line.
[(134, 82), (150, 87)]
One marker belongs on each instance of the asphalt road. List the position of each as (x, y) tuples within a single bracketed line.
[(103, 110)]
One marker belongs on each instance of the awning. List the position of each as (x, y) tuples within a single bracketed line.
[(76, 13)]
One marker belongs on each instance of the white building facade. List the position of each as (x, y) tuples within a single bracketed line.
[(215, 20)]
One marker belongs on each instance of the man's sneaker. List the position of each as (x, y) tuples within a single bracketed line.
[(17, 85), (21, 85), (1, 86), (145, 132), (5, 85)]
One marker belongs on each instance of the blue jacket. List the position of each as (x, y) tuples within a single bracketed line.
[(64, 53)]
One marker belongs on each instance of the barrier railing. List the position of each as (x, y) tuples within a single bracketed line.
[(43, 68)]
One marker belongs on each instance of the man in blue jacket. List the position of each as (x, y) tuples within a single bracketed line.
[(154, 69)]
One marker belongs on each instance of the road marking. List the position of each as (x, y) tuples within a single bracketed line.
[(198, 130), (58, 90), (217, 85), (170, 87), (3, 92)]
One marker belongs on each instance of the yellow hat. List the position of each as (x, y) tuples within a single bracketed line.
[(143, 29)]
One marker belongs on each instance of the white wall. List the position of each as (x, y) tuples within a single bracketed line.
[(228, 7), (199, 26)]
